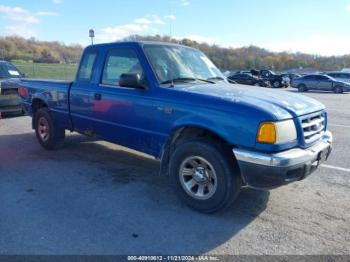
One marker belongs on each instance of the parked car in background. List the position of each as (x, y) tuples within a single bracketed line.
[(10, 103), (320, 82), (274, 79), (340, 76), (291, 76), (248, 79), (243, 72)]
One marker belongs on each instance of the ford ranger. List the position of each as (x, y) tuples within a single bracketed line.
[(171, 102)]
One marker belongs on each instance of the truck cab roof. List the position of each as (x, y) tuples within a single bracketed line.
[(133, 43)]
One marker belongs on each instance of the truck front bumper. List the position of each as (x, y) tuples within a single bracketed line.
[(10, 104), (267, 171)]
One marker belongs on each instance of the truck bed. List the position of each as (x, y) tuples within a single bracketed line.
[(54, 92)]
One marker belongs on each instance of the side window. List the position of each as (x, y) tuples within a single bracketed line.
[(322, 78), (120, 61), (310, 78), (87, 65)]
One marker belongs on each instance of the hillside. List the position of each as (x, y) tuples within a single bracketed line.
[(16, 48)]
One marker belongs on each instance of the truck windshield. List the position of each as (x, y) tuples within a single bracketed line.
[(180, 63), (9, 71)]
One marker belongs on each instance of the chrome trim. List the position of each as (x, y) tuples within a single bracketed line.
[(287, 158), (313, 126)]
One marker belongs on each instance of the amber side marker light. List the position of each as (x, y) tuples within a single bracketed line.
[(267, 133)]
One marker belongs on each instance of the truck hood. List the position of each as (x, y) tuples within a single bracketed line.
[(279, 103)]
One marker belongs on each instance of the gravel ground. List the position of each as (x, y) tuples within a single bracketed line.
[(92, 197)]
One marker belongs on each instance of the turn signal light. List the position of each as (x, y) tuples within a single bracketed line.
[(267, 133)]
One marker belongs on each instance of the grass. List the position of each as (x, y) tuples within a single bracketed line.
[(47, 71)]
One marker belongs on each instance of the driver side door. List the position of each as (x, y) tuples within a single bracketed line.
[(123, 115)]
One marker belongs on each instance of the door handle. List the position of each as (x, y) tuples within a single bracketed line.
[(97, 96)]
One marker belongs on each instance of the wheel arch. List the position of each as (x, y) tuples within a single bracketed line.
[(37, 103), (184, 133)]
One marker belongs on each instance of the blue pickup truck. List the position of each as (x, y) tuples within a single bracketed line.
[(171, 102)]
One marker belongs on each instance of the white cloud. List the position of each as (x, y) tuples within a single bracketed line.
[(144, 25), (22, 22), (20, 30), (152, 19), (320, 44), (18, 14), (46, 13), (348, 8), (185, 2), (57, 2), (170, 17), (118, 32)]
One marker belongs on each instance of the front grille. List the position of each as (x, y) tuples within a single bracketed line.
[(313, 126), (9, 91)]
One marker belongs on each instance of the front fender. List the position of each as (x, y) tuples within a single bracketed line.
[(203, 123)]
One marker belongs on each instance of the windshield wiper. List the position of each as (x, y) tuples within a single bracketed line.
[(185, 79), (216, 78)]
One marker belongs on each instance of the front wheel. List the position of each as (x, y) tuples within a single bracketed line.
[(302, 88), (204, 175), (48, 135), (276, 84)]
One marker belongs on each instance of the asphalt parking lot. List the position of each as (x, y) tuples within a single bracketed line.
[(92, 197)]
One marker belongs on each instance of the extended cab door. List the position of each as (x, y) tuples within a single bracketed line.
[(81, 97)]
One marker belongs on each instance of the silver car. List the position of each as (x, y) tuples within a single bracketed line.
[(340, 76), (320, 82)]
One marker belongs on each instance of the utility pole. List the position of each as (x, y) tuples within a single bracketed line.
[(92, 35), (170, 20)]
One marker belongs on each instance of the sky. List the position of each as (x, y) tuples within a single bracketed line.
[(320, 27)]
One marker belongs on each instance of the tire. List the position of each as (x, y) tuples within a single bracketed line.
[(302, 88), (338, 90), (48, 135), (202, 161), (276, 84)]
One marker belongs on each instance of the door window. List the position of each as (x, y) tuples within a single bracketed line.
[(120, 61), (86, 66)]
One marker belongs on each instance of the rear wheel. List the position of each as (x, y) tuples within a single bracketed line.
[(48, 135), (338, 90), (204, 176), (302, 88)]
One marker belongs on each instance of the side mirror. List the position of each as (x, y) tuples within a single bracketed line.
[(132, 80)]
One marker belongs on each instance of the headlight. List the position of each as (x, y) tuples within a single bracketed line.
[(276, 132)]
